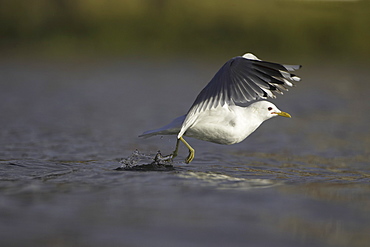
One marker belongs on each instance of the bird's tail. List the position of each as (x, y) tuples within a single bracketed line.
[(172, 128)]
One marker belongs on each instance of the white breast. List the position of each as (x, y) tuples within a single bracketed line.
[(224, 125)]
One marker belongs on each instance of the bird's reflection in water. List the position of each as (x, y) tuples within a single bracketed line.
[(227, 182)]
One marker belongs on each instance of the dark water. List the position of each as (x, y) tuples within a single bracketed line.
[(64, 127)]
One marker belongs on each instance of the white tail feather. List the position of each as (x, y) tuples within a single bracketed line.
[(172, 128)]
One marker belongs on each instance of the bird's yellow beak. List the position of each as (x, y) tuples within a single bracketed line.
[(283, 114)]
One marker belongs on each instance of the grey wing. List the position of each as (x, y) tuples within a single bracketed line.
[(241, 80)]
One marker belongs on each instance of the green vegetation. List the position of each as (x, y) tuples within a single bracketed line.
[(309, 29)]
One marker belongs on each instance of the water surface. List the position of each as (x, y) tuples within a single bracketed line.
[(65, 126)]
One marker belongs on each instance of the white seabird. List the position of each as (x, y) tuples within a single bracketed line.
[(219, 113)]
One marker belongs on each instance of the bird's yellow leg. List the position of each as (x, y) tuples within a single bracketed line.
[(191, 151), (174, 154)]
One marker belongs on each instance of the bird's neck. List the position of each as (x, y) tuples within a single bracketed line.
[(248, 121)]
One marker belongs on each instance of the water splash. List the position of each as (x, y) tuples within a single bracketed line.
[(145, 162)]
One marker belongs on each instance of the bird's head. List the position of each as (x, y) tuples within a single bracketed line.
[(267, 110)]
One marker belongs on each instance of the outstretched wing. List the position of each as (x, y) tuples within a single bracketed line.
[(240, 80)]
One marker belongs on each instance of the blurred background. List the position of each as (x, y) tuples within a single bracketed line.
[(295, 29), (81, 79), (63, 59)]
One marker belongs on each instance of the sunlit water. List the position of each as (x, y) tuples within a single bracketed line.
[(74, 173)]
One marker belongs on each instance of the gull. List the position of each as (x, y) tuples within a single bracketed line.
[(220, 115)]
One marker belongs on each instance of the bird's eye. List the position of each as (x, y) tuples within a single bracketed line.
[(270, 108)]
